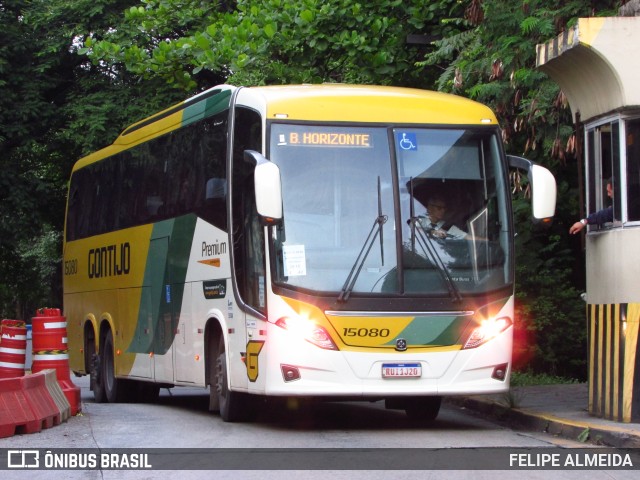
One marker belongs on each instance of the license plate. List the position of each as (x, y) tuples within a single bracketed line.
[(401, 370)]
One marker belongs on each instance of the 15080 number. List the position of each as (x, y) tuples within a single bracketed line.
[(365, 332), (70, 267)]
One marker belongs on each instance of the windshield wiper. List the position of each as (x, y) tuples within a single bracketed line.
[(376, 231), (425, 241)]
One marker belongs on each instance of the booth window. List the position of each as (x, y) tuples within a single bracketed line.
[(632, 140), (603, 163)]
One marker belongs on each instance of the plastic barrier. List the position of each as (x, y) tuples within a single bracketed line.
[(14, 410), (27, 404), (56, 393), (13, 348), (49, 346), (42, 404)]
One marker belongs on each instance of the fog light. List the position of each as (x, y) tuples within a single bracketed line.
[(290, 373), (500, 372)]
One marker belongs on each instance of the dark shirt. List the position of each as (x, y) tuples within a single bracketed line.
[(601, 217)]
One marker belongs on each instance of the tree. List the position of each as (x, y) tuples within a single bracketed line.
[(257, 42), (54, 107)]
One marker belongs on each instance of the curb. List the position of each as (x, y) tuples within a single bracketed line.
[(522, 418)]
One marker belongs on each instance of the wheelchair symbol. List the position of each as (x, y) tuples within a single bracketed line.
[(408, 141)]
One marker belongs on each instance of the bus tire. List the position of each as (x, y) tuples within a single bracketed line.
[(231, 405), (114, 388), (423, 410), (97, 383)]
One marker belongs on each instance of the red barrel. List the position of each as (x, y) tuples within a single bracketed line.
[(49, 347), (13, 348)]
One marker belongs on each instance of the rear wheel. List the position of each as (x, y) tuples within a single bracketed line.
[(97, 383), (114, 389), (92, 365)]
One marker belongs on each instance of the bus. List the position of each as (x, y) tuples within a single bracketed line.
[(271, 242)]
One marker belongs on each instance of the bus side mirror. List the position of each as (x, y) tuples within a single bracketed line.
[(543, 189), (268, 188)]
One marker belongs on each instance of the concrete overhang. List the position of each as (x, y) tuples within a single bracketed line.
[(596, 64)]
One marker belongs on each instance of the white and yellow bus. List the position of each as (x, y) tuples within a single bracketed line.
[(273, 241)]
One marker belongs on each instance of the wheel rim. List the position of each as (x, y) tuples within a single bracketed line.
[(108, 369), (221, 387)]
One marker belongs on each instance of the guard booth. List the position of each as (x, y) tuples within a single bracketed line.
[(597, 65)]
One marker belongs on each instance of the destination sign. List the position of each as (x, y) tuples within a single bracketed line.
[(325, 139)]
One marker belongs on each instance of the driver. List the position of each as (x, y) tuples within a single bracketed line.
[(434, 221)]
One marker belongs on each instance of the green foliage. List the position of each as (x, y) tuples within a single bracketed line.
[(272, 41), (584, 435), (527, 379), (493, 61), (54, 107)]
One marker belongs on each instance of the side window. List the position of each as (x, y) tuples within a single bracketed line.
[(74, 206), (178, 173), (212, 167), (247, 231)]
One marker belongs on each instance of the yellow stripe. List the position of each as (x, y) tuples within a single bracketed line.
[(630, 352), (611, 378), (592, 348), (358, 103), (51, 352), (599, 360), (616, 362), (589, 28), (607, 361)]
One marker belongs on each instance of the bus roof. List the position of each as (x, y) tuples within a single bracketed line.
[(362, 103), (326, 102)]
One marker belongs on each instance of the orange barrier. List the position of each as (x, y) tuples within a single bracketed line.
[(27, 404), (49, 346), (13, 348)]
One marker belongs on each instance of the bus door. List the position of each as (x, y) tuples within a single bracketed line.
[(250, 279), (248, 308), (146, 342), (175, 330), (186, 363), (160, 292)]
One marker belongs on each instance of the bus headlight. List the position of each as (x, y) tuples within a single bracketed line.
[(309, 331), (487, 330)]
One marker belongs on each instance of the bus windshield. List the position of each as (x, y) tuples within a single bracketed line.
[(377, 210)]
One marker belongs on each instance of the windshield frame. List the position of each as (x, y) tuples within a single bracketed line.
[(443, 297)]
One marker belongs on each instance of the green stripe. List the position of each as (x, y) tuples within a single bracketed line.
[(445, 330), (208, 107), (163, 285), (433, 330)]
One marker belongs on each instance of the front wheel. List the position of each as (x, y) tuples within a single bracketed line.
[(231, 405)]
